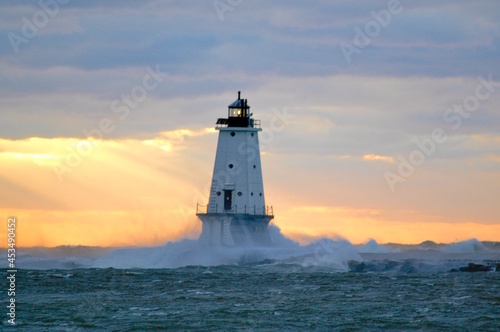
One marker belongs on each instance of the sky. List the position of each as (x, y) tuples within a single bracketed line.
[(380, 118)]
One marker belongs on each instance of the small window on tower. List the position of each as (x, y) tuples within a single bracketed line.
[(260, 194), (251, 194), (230, 165), (251, 134), (240, 193), (254, 166), (218, 193), (233, 133)]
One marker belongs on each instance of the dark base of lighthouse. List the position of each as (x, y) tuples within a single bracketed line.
[(235, 229)]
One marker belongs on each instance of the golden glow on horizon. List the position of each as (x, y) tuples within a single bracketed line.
[(101, 228), (134, 192), (307, 223)]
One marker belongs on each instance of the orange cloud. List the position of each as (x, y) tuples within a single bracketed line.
[(374, 157)]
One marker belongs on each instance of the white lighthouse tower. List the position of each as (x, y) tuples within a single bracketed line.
[(236, 213)]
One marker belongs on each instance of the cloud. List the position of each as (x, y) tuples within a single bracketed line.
[(174, 139), (374, 157), (290, 38), (349, 123)]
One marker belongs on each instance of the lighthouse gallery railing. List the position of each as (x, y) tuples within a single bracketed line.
[(252, 210), (222, 122)]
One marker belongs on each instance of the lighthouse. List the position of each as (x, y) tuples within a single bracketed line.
[(236, 213)]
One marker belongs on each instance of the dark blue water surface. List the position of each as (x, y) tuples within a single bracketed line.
[(247, 297)]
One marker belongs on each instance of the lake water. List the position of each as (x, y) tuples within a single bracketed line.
[(329, 285)]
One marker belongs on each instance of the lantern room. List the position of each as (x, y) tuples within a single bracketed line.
[(238, 114), (239, 108)]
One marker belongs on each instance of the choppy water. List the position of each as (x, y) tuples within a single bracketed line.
[(254, 297), (327, 285)]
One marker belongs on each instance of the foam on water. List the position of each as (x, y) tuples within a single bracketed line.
[(334, 253), (469, 246), (372, 247), (337, 254)]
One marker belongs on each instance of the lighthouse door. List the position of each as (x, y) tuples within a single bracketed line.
[(227, 199)]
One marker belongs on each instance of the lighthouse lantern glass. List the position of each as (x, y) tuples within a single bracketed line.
[(235, 112)]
